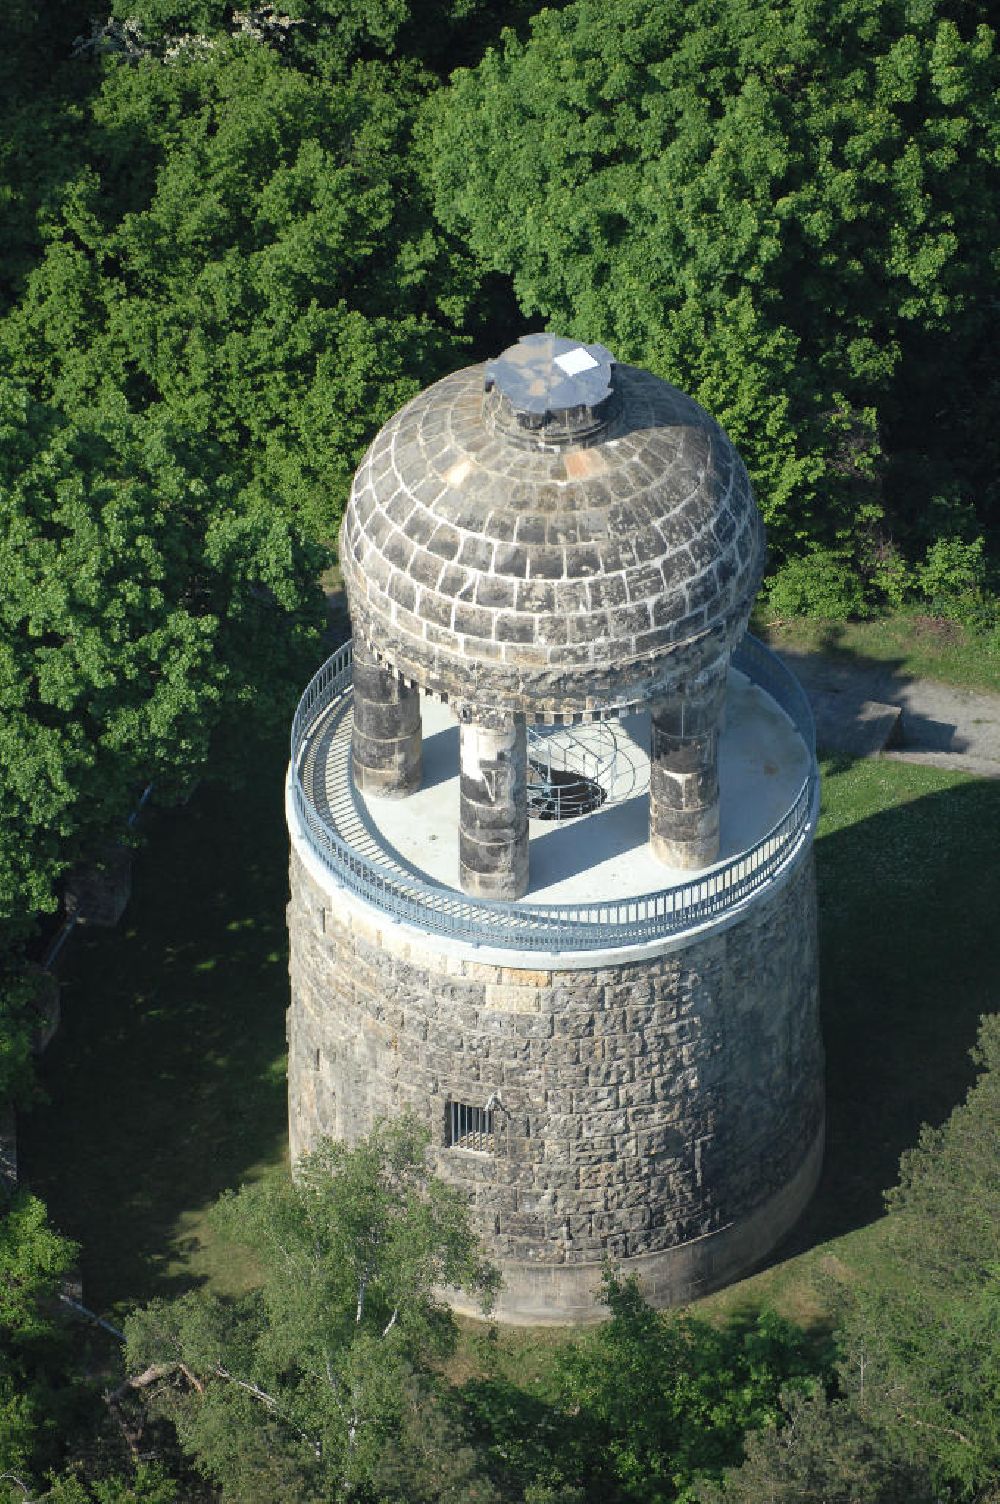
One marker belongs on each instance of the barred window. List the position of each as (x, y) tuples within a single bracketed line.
[(468, 1127)]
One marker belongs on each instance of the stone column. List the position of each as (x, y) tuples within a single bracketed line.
[(493, 817), (385, 745), (684, 772)]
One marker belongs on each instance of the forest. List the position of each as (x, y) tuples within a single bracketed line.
[(234, 243)]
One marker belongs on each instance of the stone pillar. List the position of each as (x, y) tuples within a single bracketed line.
[(684, 772), (385, 745), (493, 817)]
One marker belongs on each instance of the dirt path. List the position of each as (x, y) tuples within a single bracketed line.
[(942, 724)]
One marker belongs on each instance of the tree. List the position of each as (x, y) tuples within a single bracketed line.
[(148, 608), (922, 1334), (18, 1022), (825, 1452), (149, 1484), (300, 1389), (33, 1261), (235, 281), (917, 1419), (243, 246), (782, 208), (642, 1407)]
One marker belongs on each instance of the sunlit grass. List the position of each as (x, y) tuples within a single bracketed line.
[(917, 645)]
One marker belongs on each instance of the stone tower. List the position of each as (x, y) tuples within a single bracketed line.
[(551, 822)]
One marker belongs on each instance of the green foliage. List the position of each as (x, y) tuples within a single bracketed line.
[(148, 604), (922, 1336), (173, 17), (33, 1260), (308, 1384), (228, 279), (953, 578), (890, 577), (774, 206), (822, 1450), (642, 1407), (821, 583), (150, 1485), (244, 247), (18, 1020)]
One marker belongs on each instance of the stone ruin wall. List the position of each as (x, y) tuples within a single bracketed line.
[(666, 1110)]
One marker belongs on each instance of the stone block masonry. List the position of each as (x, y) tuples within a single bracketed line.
[(386, 740), (551, 582), (549, 539), (493, 814), (666, 1111)]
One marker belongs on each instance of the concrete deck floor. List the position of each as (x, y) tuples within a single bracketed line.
[(605, 855)]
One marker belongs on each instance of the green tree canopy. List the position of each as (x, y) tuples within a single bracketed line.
[(235, 280), (147, 604), (922, 1334), (301, 1389), (790, 210), (33, 1260), (244, 246), (822, 1451), (643, 1407)]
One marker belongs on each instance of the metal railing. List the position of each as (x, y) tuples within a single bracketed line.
[(555, 927)]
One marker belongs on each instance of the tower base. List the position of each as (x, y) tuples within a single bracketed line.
[(658, 1105)]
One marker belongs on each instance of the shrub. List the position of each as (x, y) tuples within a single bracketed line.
[(823, 583), (953, 578)]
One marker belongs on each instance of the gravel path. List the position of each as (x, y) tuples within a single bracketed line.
[(942, 724)]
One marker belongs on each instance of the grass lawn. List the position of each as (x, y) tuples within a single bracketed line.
[(166, 1081), (918, 646)]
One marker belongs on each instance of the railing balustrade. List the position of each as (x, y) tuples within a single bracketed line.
[(556, 927)]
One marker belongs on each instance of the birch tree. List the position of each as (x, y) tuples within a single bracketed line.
[(303, 1388)]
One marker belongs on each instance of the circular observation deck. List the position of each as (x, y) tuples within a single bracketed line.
[(595, 885)]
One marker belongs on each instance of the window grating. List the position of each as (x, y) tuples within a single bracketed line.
[(468, 1127)]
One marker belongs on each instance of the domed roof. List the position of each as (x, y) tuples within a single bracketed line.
[(551, 534)]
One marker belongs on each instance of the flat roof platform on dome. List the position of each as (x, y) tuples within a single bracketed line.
[(601, 858), (604, 855)]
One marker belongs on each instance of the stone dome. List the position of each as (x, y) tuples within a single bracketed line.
[(551, 534)]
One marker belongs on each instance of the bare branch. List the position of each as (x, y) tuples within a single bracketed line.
[(928, 1425), (192, 1380), (270, 1403), (142, 1380)]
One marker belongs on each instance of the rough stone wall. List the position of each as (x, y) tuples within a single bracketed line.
[(645, 1104)]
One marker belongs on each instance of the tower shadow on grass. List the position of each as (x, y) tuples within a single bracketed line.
[(908, 905)]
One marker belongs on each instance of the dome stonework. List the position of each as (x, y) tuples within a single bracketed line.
[(586, 563)]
